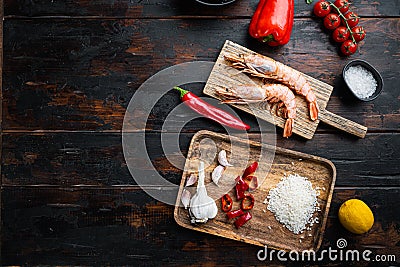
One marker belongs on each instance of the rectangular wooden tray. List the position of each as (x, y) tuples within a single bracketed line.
[(263, 228), (224, 76)]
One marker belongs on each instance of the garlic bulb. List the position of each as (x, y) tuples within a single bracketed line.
[(202, 207), (222, 159), (217, 173)]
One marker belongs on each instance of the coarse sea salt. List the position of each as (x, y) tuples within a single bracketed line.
[(293, 202), (360, 81)]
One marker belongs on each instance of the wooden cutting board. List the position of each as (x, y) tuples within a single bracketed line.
[(263, 228), (225, 76)]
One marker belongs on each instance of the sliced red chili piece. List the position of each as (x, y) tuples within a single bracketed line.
[(226, 202), (243, 219), (252, 182), (235, 213), (241, 187), (247, 202), (251, 169)]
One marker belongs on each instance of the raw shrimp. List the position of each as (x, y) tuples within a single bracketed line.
[(273, 93), (267, 68)]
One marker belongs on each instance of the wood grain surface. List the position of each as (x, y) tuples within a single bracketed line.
[(224, 76), (85, 77), (69, 70), (274, 164)]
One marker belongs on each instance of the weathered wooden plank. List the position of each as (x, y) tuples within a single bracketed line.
[(81, 74), (168, 8), (125, 226), (70, 159)]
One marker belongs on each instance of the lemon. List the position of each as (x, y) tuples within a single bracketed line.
[(356, 216)]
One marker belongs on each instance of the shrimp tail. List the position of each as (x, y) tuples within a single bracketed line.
[(287, 131), (313, 108)]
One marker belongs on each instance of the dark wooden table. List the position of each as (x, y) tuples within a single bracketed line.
[(69, 70)]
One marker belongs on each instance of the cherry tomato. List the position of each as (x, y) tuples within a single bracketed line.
[(348, 47), (341, 34), (343, 5), (358, 33), (332, 21), (322, 8), (351, 18)]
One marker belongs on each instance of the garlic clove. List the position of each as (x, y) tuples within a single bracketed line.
[(191, 180), (185, 198), (217, 173), (222, 159)]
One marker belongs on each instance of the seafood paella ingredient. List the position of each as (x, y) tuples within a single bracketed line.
[(241, 187), (222, 159), (242, 220), (252, 182), (226, 203), (358, 33), (209, 111), (191, 180), (348, 47), (217, 174), (235, 213), (360, 81), (340, 34), (332, 21), (342, 5), (293, 202), (272, 93), (356, 216), (322, 8), (351, 18), (250, 169), (267, 68), (185, 198), (202, 207), (247, 202), (272, 21)]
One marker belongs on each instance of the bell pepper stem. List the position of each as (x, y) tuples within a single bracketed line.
[(181, 91), (268, 38)]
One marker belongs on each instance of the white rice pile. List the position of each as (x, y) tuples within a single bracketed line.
[(361, 81), (293, 202)]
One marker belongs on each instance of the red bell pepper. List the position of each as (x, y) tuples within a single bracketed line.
[(272, 21)]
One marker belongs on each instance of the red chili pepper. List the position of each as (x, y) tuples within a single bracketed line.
[(243, 219), (251, 169), (241, 187), (252, 182), (246, 206), (272, 21), (235, 213), (211, 112), (226, 202)]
